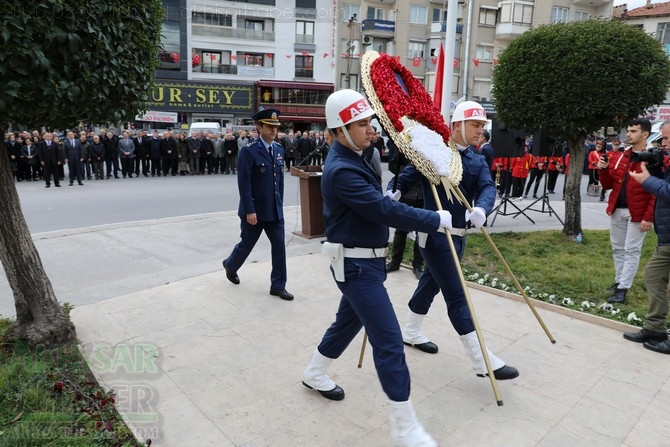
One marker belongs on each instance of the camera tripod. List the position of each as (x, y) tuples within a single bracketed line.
[(505, 200), (546, 206)]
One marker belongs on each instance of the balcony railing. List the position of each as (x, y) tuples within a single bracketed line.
[(304, 38), (231, 33)]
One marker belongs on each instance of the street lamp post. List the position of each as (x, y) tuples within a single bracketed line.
[(350, 48)]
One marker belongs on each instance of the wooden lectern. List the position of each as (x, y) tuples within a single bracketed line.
[(311, 201)]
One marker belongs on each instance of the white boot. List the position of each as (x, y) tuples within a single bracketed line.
[(406, 431), (474, 351), (412, 335), (316, 377)]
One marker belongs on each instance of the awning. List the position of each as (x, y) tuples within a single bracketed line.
[(301, 118), (298, 85)]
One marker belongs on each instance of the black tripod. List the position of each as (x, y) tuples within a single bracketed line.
[(502, 206), (546, 207)]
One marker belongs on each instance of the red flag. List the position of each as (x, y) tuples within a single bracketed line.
[(304, 53), (433, 60), (345, 54), (416, 61), (456, 62), (288, 56), (439, 75), (233, 57), (495, 61), (476, 62), (325, 55), (270, 55)]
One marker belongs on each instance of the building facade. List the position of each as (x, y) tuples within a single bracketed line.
[(224, 60)]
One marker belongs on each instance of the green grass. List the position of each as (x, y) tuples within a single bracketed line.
[(552, 268), (50, 398)]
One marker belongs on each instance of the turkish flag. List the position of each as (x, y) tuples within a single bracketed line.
[(325, 55), (495, 61), (433, 59), (476, 62), (233, 57), (304, 53), (270, 55), (456, 62), (288, 56), (345, 54), (439, 79), (416, 61)]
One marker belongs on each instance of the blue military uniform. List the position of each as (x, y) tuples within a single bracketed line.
[(441, 272), (260, 180), (357, 215)]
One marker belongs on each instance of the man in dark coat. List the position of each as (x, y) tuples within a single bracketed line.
[(51, 157), (74, 157)]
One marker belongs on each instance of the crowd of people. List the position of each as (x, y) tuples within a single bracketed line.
[(89, 155)]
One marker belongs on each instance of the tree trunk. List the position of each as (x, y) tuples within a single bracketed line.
[(40, 320), (573, 198)]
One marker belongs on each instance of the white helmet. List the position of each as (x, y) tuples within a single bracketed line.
[(346, 106), (468, 110)]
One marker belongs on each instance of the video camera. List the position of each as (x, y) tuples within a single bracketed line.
[(653, 156)]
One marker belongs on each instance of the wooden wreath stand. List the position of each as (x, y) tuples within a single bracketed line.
[(311, 201)]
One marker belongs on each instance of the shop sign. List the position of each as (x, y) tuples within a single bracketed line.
[(155, 116), (197, 97)]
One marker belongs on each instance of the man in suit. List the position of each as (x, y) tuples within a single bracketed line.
[(50, 158), (141, 153), (74, 157), (260, 180), (169, 152), (111, 143), (127, 154)]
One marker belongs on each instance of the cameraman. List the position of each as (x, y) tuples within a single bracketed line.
[(630, 207), (654, 333)]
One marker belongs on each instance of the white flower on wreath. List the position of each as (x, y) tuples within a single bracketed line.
[(607, 307), (567, 302), (587, 304)]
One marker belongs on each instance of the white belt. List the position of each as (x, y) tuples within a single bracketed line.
[(358, 252), (458, 231)]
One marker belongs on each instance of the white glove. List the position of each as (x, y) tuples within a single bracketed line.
[(445, 219), (393, 195), (477, 217)]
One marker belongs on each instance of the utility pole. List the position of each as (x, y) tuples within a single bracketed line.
[(350, 48)]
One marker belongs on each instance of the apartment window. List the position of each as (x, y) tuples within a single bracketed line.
[(348, 11), (252, 59), (207, 18), (559, 15), (309, 4), (416, 49), (256, 25), (523, 14), (663, 33), (439, 16), (418, 15), (514, 12), (351, 48), (170, 38), (304, 66), (581, 15), (378, 46), (484, 53), (481, 88), (375, 13), (352, 82), (487, 16), (304, 31)]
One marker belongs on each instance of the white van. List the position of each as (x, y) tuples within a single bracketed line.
[(213, 127)]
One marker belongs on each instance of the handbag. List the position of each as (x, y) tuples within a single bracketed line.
[(593, 190)]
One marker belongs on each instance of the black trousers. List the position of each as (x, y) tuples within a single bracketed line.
[(551, 180), (535, 175), (112, 163)]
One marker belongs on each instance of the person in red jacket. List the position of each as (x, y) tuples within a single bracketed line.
[(520, 168), (630, 207)]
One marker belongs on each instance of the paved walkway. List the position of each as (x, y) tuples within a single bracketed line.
[(203, 362)]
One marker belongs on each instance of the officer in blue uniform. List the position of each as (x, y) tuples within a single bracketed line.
[(260, 180), (357, 215), (468, 122)]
